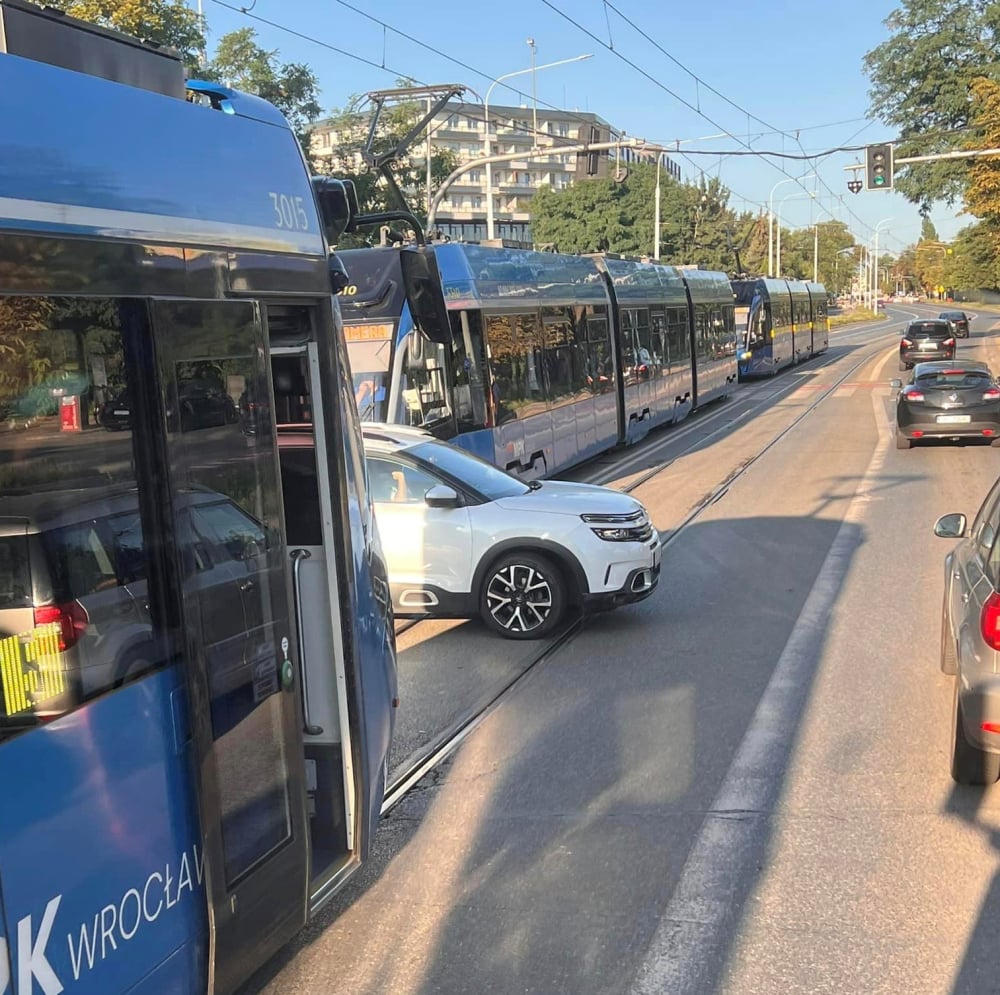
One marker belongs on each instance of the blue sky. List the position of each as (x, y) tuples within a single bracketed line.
[(796, 66)]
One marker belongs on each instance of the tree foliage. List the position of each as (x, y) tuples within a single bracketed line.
[(921, 78), (162, 22), (818, 250), (696, 222), (982, 197), (292, 87)]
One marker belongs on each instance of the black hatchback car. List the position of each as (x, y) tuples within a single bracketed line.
[(926, 339), (959, 321), (947, 401)]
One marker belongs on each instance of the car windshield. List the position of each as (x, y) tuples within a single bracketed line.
[(954, 378), (481, 476)]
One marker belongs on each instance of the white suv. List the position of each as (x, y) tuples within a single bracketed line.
[(462, 537)]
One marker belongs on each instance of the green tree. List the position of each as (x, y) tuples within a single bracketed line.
[(975, 263), (696, 223), (163, 22), (983, 193), (921, 78), (292, 87)]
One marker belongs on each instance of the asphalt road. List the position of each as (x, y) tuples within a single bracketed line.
[(739, 785)]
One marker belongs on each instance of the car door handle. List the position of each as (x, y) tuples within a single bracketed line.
[(247, 586)]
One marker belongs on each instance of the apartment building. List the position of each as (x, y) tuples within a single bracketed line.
[(461, 128)]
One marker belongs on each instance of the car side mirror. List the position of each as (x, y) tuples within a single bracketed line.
[(441, 496), (950, 526), (896, 383)]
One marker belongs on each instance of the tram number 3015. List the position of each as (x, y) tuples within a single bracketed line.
[(289, 212)]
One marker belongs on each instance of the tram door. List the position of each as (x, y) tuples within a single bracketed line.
[(310, 502), (240, 652)]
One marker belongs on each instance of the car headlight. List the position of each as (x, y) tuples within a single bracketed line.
[(634, 527)]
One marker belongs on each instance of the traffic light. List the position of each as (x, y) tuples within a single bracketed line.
[(594, 158), (878, 167)]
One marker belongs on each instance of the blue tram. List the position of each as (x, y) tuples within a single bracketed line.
[(535, 361), (197, 661), (780, 323)]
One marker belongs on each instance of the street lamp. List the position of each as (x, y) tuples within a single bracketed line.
[(780, 203), (770, 219), (884, 221), (486, 122)]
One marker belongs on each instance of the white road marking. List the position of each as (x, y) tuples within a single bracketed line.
[(704, 911)]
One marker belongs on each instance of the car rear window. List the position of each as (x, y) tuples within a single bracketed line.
[(15, 574), (929, 330), (955, 378)]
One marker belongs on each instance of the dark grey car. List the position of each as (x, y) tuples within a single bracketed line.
[(926, 339), (970, 640), (950, 400)]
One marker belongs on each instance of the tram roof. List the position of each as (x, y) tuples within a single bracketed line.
[(638, 281), (474, 275), (82, 155)]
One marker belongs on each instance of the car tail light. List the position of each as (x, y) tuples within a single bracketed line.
[(912, 394), (989, 623), (949, 342), (906, 343), (72, 619), (993, 394)]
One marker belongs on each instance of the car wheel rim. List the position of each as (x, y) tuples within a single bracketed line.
[(519, 598)]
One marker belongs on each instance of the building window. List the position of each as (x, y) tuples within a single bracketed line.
[(475, 176), (477, 201)]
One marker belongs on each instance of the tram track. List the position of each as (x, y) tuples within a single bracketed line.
[(428, 758)]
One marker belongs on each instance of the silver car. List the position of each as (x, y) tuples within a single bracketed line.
[(970, 640)]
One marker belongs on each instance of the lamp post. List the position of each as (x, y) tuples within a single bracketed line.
[(486, 123), (884, 221), (770, 219), (780, 203), (534, 92)]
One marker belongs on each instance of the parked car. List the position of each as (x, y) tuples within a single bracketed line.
[(970, 640), (959, 322), (116, 413), (925, 339), (948, 400), (463, 538)]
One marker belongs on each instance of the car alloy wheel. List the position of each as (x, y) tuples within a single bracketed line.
[(522, 596)]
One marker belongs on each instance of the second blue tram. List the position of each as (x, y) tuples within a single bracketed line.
[(541, 360), (780, 323)]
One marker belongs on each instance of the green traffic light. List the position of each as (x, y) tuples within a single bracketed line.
[(880, 181)]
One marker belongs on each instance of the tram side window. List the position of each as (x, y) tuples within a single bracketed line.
[(564, 355), (469, 373), (77, 615), (600, 366), (515, 344), (678, 338), (424, 389)]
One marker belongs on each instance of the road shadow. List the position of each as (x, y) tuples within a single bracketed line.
[(545, 855)]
